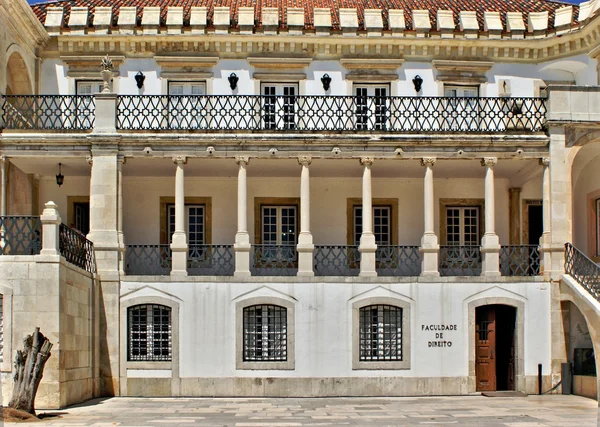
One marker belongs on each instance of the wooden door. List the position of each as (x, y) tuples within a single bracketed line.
[(485, 348)]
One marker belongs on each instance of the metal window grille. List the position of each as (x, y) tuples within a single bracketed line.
[(265, 333), (380, 333), (149, 333)]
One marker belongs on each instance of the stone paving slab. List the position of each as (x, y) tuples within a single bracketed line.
[(473, 411)]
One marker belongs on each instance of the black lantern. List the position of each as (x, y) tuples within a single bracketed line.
[(139, 79), (326, 80), (60, 178), (417, 81), (233, 80)]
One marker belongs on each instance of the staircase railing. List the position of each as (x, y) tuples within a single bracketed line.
[(585, 271)]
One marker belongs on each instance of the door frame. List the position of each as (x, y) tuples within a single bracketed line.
[(519, 342), (525, 217)]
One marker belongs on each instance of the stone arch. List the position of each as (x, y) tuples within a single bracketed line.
[(520, 383), (18, 80)]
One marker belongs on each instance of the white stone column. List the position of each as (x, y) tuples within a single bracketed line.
[(3, 172), (50, 230), (242, 238), (305, 240), (367, 247), (490, 244), (546, 239), (430, 247), (120, 236), (179, 247)]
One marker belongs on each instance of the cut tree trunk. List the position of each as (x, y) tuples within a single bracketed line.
[(29, 369)]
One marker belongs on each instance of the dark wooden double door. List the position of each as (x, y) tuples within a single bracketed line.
[(495, 347)]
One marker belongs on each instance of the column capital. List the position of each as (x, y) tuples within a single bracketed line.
[(242, 159), (90, 159), (489, 161), (545, 161), (121, 159), (304, 160), (428, 161), (179, 160), (367, 161)]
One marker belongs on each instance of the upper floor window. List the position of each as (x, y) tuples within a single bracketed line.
[(187, 110), (279, 225), (380, 336), (88, 87), (372, 106), (195, 223), (462, 225), (149, 333), (265, 333), (279, 105), (382, 224)]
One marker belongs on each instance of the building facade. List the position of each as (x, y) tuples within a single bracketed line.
[(203, 200)]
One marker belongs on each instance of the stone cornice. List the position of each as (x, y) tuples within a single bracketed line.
[(24, 23)]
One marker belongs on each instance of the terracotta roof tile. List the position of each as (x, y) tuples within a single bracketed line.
[(479, 6)]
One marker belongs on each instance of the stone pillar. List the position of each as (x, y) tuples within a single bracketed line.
[(490, 244), (179, 247), (305, 240), (105, 121), (242, 238), (367, 247), (121, 238), (514, 217), (430, 247), (3, 174), (546, 239), (103, 233), (50, 230)]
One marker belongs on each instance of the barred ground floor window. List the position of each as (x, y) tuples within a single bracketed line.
[(265, 333), (380, 333), (149, 333)]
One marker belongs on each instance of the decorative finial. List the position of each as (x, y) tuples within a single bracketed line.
[(107, 73), (107, 64)]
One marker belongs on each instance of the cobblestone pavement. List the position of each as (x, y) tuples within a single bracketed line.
[(555, 411)]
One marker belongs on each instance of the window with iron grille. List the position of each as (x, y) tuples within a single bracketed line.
[(380, 333), (149, 333), (265, 333)]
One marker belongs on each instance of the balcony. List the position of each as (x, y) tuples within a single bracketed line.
[(251, 113)]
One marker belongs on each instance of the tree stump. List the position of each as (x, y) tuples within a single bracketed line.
[(29, 369)]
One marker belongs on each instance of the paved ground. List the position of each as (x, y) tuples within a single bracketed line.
[(555, 411)]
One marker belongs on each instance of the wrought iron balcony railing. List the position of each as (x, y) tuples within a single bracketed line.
[(460, 260), (585, 271), (20, 235), (47, 112), (398, 260), (76, 248), (520, 260), (148, 260), (329, 113), (334, 260), (274, 260), (211, 260)]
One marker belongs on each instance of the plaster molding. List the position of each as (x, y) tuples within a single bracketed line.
[(489, 161)]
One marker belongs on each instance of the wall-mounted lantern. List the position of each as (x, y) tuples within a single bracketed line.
[(60, 178), (139, 79), (326, 80), (418, 82), (233, 80)]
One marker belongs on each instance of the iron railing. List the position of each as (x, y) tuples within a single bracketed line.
[(147, 260), (398, 260), (274, 260), (48, 112), (76, 249), (520, 260), (585, 271), (20, 235), (211, 260), (460, 260), (329, 113), (336, 260)]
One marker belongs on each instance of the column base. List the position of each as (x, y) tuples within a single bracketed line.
[(305, 250), (178, 259), (431, 253), (490, 255), (242, 255), (368, 261)]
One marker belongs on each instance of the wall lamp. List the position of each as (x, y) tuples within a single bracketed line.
[(233, 80), (139, 79), (60, 178), (418, 82), (326, 80)]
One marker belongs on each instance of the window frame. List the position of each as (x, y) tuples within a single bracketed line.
[(403, 364), (242, 364), (447, 203), (462, 226), (373, 106), (72, 201), (150, 331), (265, 327), (279, 111), (88, 81), (260, 202), (188, 201), (352, 203)]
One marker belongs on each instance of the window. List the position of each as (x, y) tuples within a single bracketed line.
[(372, 111), (279, 105), (265, 333), (463, 110), (149, 333), (85, 107), (194, 223), (382, 216), (187, 109), (380, 333), (83, 87), (462, 225), (279, 225)]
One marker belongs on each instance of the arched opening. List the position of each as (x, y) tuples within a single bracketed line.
[(17, 76), (495, 347)]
